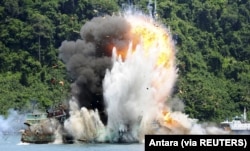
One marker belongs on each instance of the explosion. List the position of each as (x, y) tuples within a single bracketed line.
[(123, 70)]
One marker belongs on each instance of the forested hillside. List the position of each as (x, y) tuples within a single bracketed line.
[(212, 41)]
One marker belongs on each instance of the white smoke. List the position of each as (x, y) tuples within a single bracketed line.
[(11, 124), (47, 126), (134, 91)]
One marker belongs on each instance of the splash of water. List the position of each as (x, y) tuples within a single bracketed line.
[(83, 124)]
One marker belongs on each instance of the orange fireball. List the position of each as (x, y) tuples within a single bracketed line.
[(168, 120), (153, 38)]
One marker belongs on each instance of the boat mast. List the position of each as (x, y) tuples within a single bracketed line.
[(155, 9), (245, 114)]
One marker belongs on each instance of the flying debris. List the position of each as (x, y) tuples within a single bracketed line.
[(61, 83)]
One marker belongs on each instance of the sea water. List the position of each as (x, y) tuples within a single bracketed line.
[(13, 143)]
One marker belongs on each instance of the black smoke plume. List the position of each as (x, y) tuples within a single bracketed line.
[(88, 58)]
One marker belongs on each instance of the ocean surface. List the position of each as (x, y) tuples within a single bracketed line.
[(13, 143)]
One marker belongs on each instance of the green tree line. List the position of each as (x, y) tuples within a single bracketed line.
[(212, 42)]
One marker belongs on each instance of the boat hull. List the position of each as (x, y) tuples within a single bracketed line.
[(37, 138), (241, 132)]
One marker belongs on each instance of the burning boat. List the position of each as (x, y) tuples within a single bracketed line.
[(43, 127), (239, 124)]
